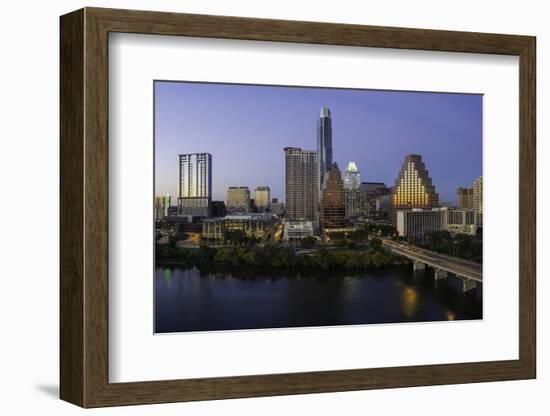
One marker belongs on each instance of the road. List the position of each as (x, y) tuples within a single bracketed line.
[(453, 265)]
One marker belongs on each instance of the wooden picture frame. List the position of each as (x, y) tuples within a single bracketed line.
[(84, 207)]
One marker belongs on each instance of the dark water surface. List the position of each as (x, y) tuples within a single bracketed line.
[(187, 301)]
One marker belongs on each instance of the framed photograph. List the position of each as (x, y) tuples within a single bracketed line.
[(255, 207)]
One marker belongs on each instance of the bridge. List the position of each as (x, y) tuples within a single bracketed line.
[(470, 273)]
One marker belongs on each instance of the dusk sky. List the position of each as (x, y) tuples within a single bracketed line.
[(246, 127)]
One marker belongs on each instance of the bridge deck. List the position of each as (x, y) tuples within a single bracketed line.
[(453, 265)]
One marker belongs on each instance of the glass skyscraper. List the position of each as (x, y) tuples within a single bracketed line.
[(324, 146), (352, 188), (333, 204), (195, 184)]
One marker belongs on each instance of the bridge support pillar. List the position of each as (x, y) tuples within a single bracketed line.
[(468, 284), (440, 274), (418, 265)]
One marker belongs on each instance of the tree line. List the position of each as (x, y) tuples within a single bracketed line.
[(274, 256)]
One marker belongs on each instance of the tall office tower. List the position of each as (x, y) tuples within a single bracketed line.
[(465, 198), (261, 197), (238, 199), (324, 146), (333, 204), (413, 187), (352, 188), (301, 184), (478, 194), (195, 184)]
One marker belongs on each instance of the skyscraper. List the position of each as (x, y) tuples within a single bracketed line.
[(301, 184), (262, 197), (413, 187), (238, 199), (478, 194), (195, 184), (352, 188), (324, 146), (333, 205), (465, 198)]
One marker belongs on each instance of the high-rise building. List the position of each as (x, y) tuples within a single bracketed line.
[(301, 180), (352, 188), (324, 146), (162, 206), (369, 192), (195, 184), (465, 198), (478, 194), (262, 197), (413, 187), (333, 204), (238, 199)]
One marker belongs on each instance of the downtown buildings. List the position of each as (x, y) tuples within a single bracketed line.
[(301, 184), (333, 201), (324, 146), (478, 195), (238, 199), (195, 184), (352, 188), (413, 187), (262, 198), (465, 198)]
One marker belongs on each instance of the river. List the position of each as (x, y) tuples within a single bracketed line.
[(186, 301)]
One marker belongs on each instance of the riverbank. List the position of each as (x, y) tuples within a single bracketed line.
[(274, 257)]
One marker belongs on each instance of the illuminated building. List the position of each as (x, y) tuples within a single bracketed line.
[(478, 194), (413, 187), (296, 230), (301, 184), (261, 197), (333, 204), (352, 185), (195, 184), (260, 226), (238, 199), (324, 146), (465, 198)]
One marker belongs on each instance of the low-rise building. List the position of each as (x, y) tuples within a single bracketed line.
[(296, 230), (463, 221), (416, 222), (260, 226)]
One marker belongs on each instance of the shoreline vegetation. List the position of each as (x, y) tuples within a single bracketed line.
[(276, 257)]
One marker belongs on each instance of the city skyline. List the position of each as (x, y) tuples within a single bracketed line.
[(247, 154)]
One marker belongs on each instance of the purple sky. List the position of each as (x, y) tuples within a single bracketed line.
[(246, 127)]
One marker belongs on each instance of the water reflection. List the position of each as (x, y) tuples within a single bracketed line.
[(410, 302), (185, 300)]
